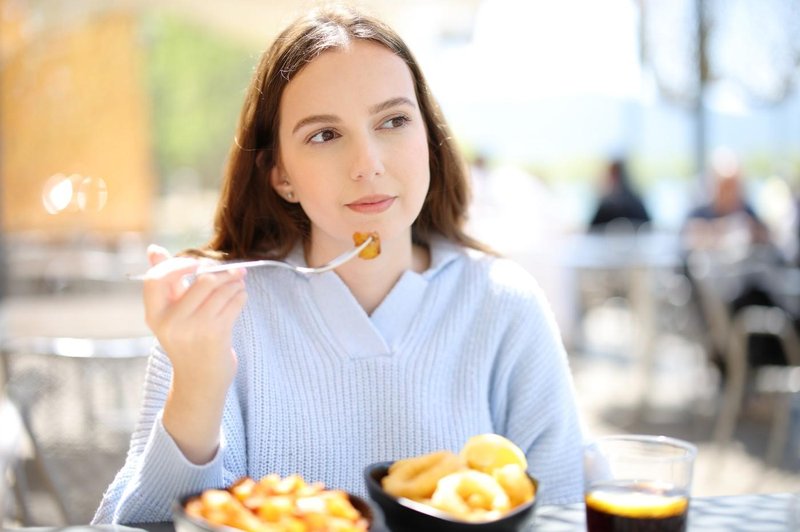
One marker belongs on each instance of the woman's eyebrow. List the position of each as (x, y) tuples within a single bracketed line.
[(392, 102), (314, 119), (333, 119)]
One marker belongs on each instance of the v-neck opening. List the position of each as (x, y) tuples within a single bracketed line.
[(363, 336)]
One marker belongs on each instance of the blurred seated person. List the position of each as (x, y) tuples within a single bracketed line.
[(620, 211), (619, 201), (729, 228), (727, 220), (797, 225)]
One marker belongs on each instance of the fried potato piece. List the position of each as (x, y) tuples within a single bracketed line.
[(373, 249), (416, 478), (221, 506), (275, 504)]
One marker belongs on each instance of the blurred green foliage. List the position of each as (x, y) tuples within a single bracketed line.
[(196, 80)]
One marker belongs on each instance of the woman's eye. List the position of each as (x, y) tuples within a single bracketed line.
[(395, 122), (325, 135)]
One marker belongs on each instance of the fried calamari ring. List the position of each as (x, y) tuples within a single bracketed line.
[(515, 482), (471, 495), (373, 249), (416, 478), (487, 452)]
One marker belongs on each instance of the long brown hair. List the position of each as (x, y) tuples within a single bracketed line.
[(252, 220)]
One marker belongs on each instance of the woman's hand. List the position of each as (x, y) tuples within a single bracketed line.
[(193, 324)]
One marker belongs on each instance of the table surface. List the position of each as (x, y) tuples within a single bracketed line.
[(779, 512), (648, 250)]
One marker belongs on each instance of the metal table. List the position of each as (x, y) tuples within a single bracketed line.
[(778, 512)]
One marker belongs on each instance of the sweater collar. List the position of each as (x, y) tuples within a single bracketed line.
[(363, 336), (443, 252)]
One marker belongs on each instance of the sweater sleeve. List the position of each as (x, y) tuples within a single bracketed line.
[(156, 472), (535, 404)]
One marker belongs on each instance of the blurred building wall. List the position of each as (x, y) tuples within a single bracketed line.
[(73, 102)]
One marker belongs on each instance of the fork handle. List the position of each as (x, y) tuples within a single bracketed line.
[(225, 266)]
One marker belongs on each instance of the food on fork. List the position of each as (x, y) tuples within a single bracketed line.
[(278, 504), (373, 249), (486, 480)]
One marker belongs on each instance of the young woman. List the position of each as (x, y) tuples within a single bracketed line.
[(430, 343)]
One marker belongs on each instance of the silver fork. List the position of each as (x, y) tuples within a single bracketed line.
[(234, 264)]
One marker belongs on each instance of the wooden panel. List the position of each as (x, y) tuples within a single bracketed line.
[(73, 101)]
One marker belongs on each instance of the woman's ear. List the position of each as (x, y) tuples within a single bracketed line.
[(261, 157), (280, 183)]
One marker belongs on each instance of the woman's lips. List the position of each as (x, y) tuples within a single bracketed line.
[(371, 204)]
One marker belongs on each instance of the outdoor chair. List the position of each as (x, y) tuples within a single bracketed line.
[(77, 399), (782, 382), (729, 335)]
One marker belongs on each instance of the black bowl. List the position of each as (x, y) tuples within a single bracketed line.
[(404, 515), (186, 523)]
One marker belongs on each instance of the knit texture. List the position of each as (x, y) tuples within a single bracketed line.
[(323, 390)]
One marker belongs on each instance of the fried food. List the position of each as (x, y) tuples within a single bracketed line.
[(471, 495), (373, 249), (515, 482), (416, 478), (484, 481), (221, 507), (487, 452), (275, 504)]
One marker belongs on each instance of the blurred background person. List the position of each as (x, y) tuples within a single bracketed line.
[(796, 250), (618, 200), (729, 249), (727, 220)]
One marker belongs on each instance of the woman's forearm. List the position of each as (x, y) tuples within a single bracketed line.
[(192, 416)]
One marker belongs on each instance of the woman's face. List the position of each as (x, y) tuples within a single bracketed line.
[(353, 146)]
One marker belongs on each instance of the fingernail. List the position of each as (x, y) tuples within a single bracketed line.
[(155, 248)]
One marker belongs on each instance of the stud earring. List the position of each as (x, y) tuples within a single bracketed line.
[(290, 195)]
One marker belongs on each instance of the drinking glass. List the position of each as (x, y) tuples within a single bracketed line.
[(637, 483)]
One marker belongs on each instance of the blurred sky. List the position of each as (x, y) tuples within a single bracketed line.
[(559, 86), (539, 49), (558, 83), (541, 80), (552, 87)]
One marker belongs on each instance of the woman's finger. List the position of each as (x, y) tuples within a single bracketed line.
[(157, 254), (233, 306), (163, 286), (205, 288), (230, 283)]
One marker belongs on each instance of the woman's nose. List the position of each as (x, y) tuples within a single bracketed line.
[(367, 162)]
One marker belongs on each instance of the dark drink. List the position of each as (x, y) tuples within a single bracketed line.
[(639, 507)]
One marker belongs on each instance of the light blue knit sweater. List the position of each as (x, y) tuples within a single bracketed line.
[(323, 390)]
